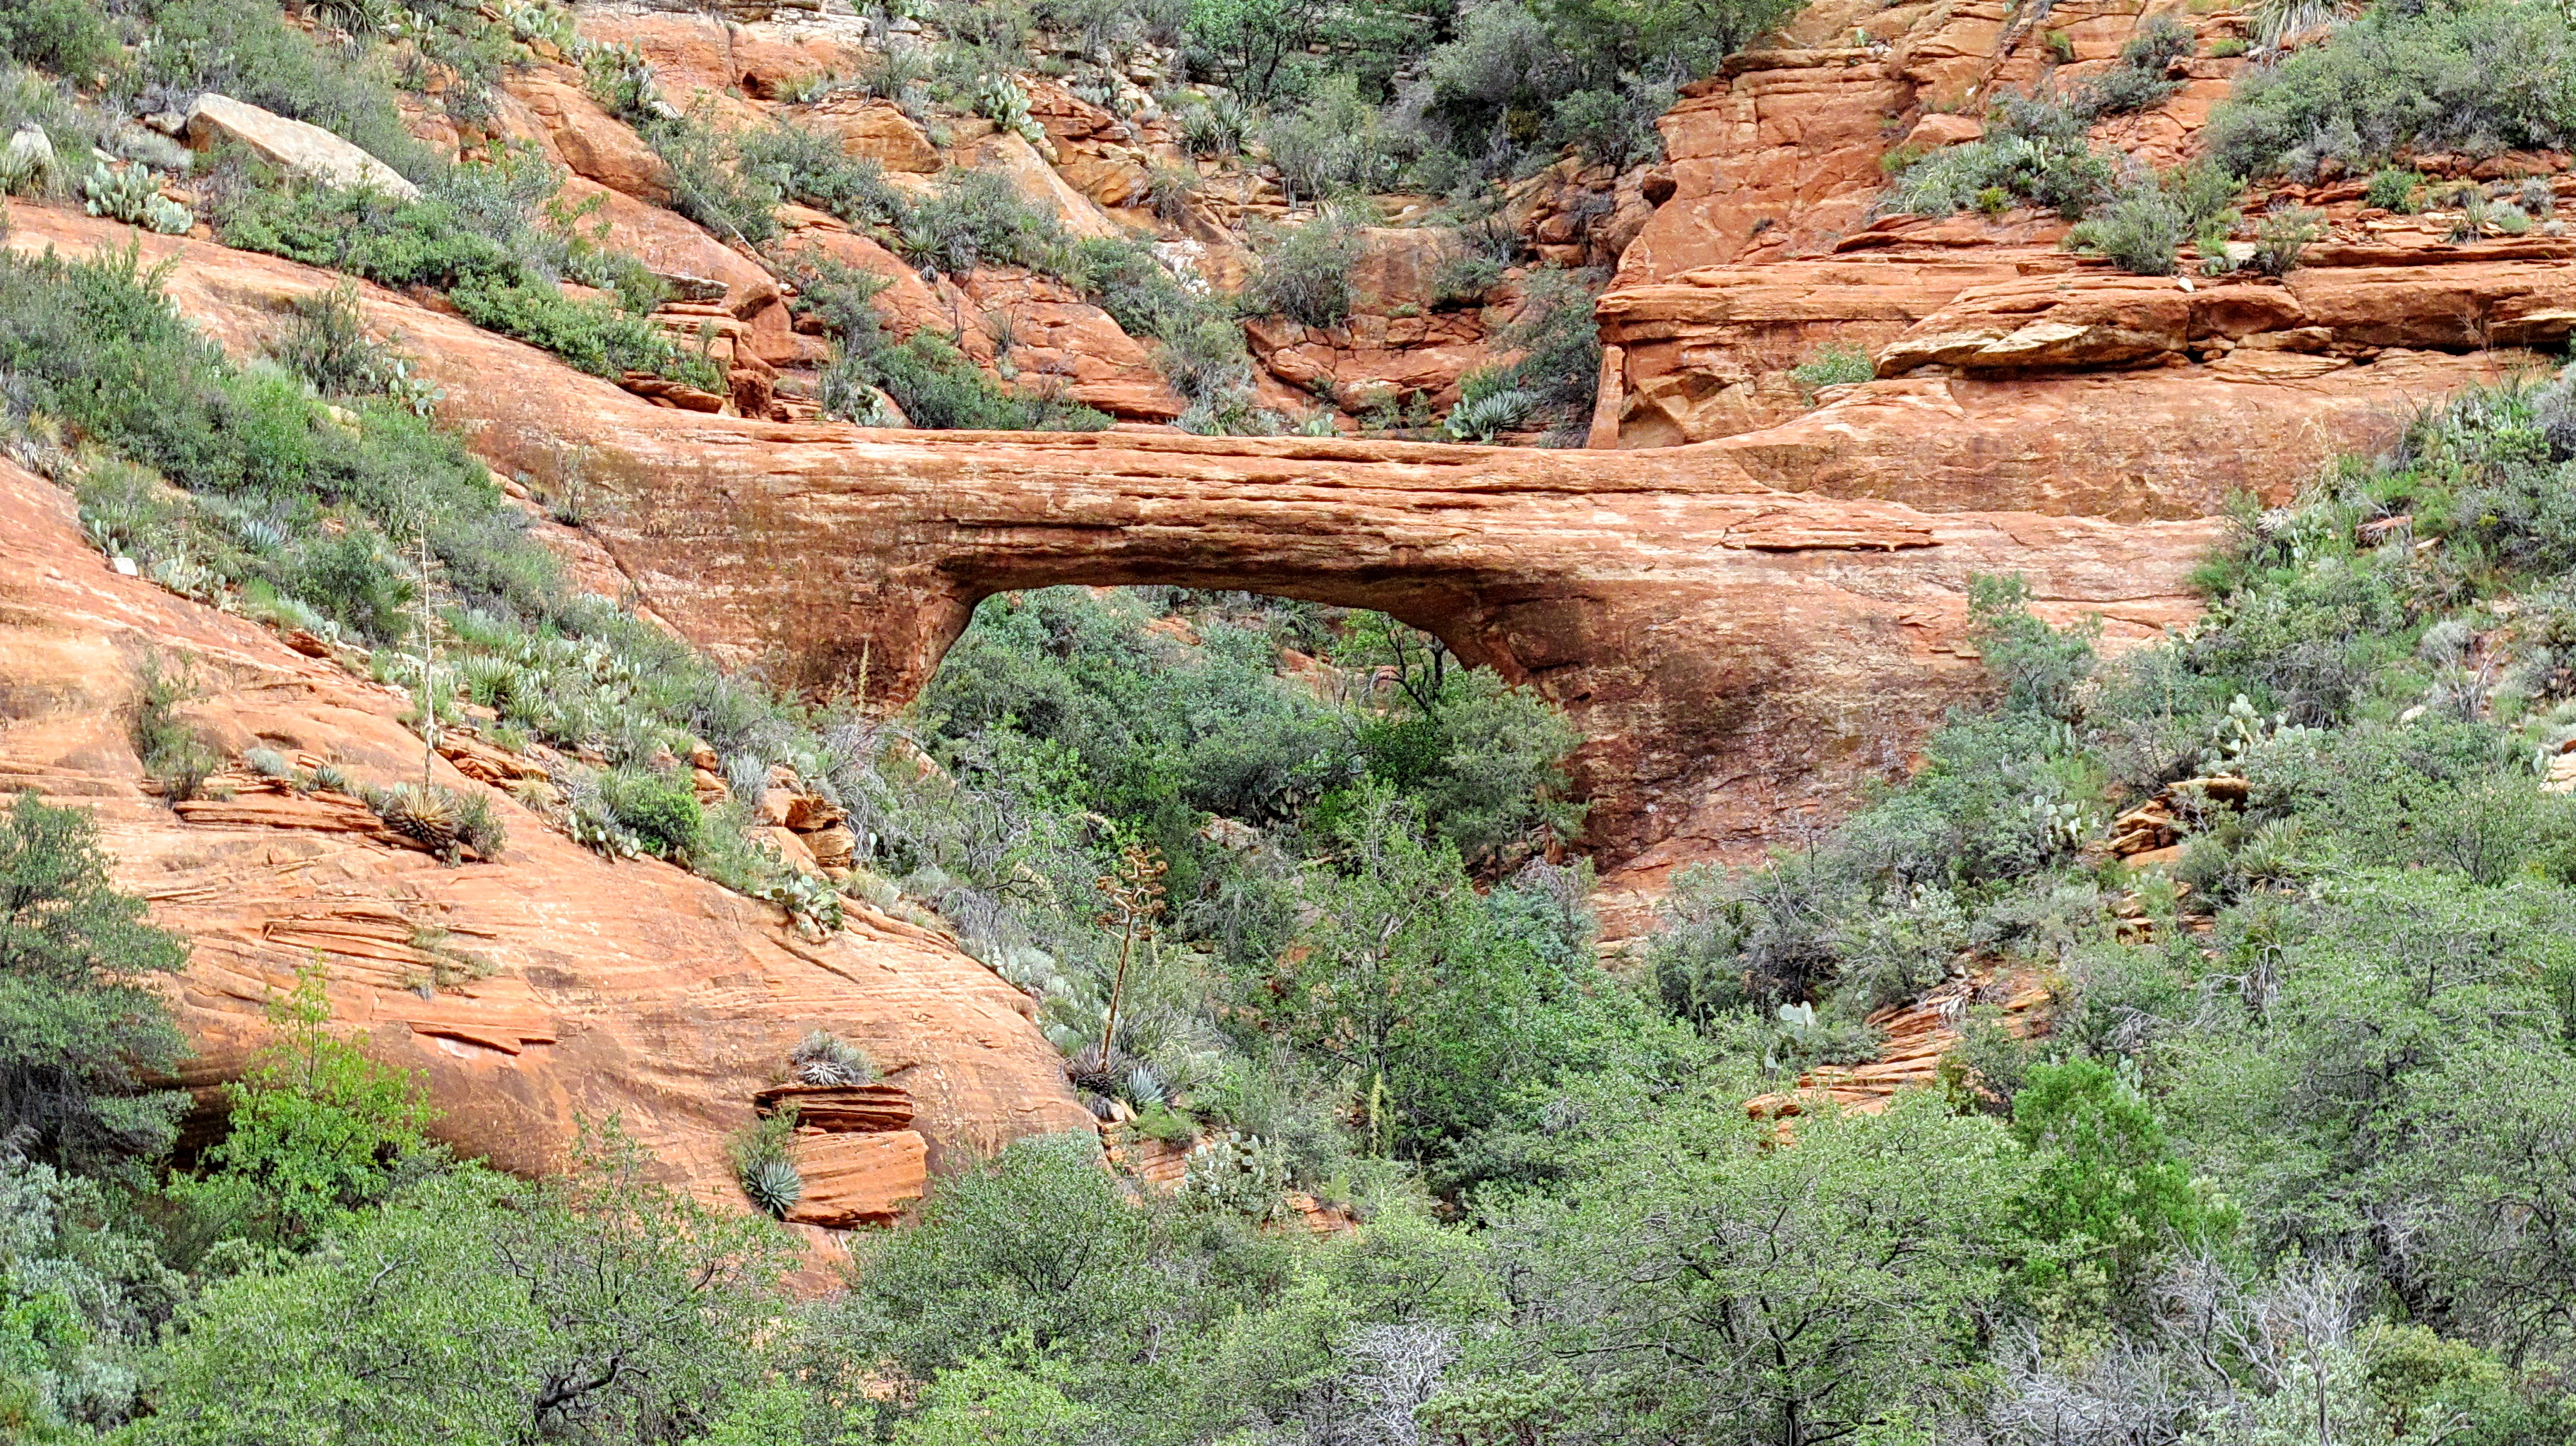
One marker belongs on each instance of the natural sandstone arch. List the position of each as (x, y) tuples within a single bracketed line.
[(1733, 651)]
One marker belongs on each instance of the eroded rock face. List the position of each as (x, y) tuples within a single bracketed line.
[(1737, 647), (628, 989), (2060, 383)]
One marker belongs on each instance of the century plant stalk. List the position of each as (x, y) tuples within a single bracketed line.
[(1135, 892), (428, 661)]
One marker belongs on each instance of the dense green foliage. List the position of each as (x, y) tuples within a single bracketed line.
[(2475, 78), (487, 234), (77, 1020), (2288, 1163), (2034, 153)]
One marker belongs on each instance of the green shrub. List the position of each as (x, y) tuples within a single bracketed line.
[(1522, 80), (2034, 150), (315, 1129), (938, 386), (72, 38), (595, 336), (658, 806), (327, 344), (1335, 144), (2478, 78), (2394, 189), (1304, 272), (810, 167), (1615, 125), (1832, 365), (473, 236), (172, 753), (2144, 224), (712, 183), (2122, 90), (2282, 237), (2163, 41), (2108, 1189), (976, 218), (80, 1026)]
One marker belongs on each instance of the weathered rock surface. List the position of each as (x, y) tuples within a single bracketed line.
[(2120, 395), (293, 145), (1737, 648), (589, 989), (551, 108)]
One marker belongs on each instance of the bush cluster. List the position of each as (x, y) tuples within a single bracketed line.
[(2475, 79), (2034, 152)]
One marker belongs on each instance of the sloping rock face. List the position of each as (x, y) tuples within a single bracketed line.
[(2057, 382), (1737, 648), (629, 989)]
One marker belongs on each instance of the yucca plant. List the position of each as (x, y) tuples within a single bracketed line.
[(426, 814), (824, 1058)]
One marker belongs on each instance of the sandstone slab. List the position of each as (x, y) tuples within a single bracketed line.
[(295, 146)]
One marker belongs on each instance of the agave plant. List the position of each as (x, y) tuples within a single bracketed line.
[(1477, 420), (773, 1184), (27, 163), (427, 814)]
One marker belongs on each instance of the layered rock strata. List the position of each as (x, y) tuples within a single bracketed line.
[(2047, 379)]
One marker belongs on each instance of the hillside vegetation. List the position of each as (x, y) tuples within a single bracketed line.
[(2288, 1157)]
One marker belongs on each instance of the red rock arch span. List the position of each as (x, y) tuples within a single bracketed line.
[(1734, 651)]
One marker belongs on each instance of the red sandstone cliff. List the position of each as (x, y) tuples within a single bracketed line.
[(630, 989)]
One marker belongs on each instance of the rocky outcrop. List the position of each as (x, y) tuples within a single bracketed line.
[(1737, 648), (531, 993), (2061, 384), (1919, 1039)]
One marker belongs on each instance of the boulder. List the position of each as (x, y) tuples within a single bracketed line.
[(559, 115), (305, 150), (854, 1180), (876, 130)]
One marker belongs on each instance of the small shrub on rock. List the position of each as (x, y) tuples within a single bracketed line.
[(1833, 365), (824, 1058), (1305, 272), (2394, 189), (2035, 150), (2144, 225), (2283, 237), (2164, 41)]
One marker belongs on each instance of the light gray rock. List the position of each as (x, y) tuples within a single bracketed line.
[(306, 150)]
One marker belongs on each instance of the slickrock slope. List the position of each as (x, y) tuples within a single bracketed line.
[(1735, 651), (2037, 378), (631, 989)]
